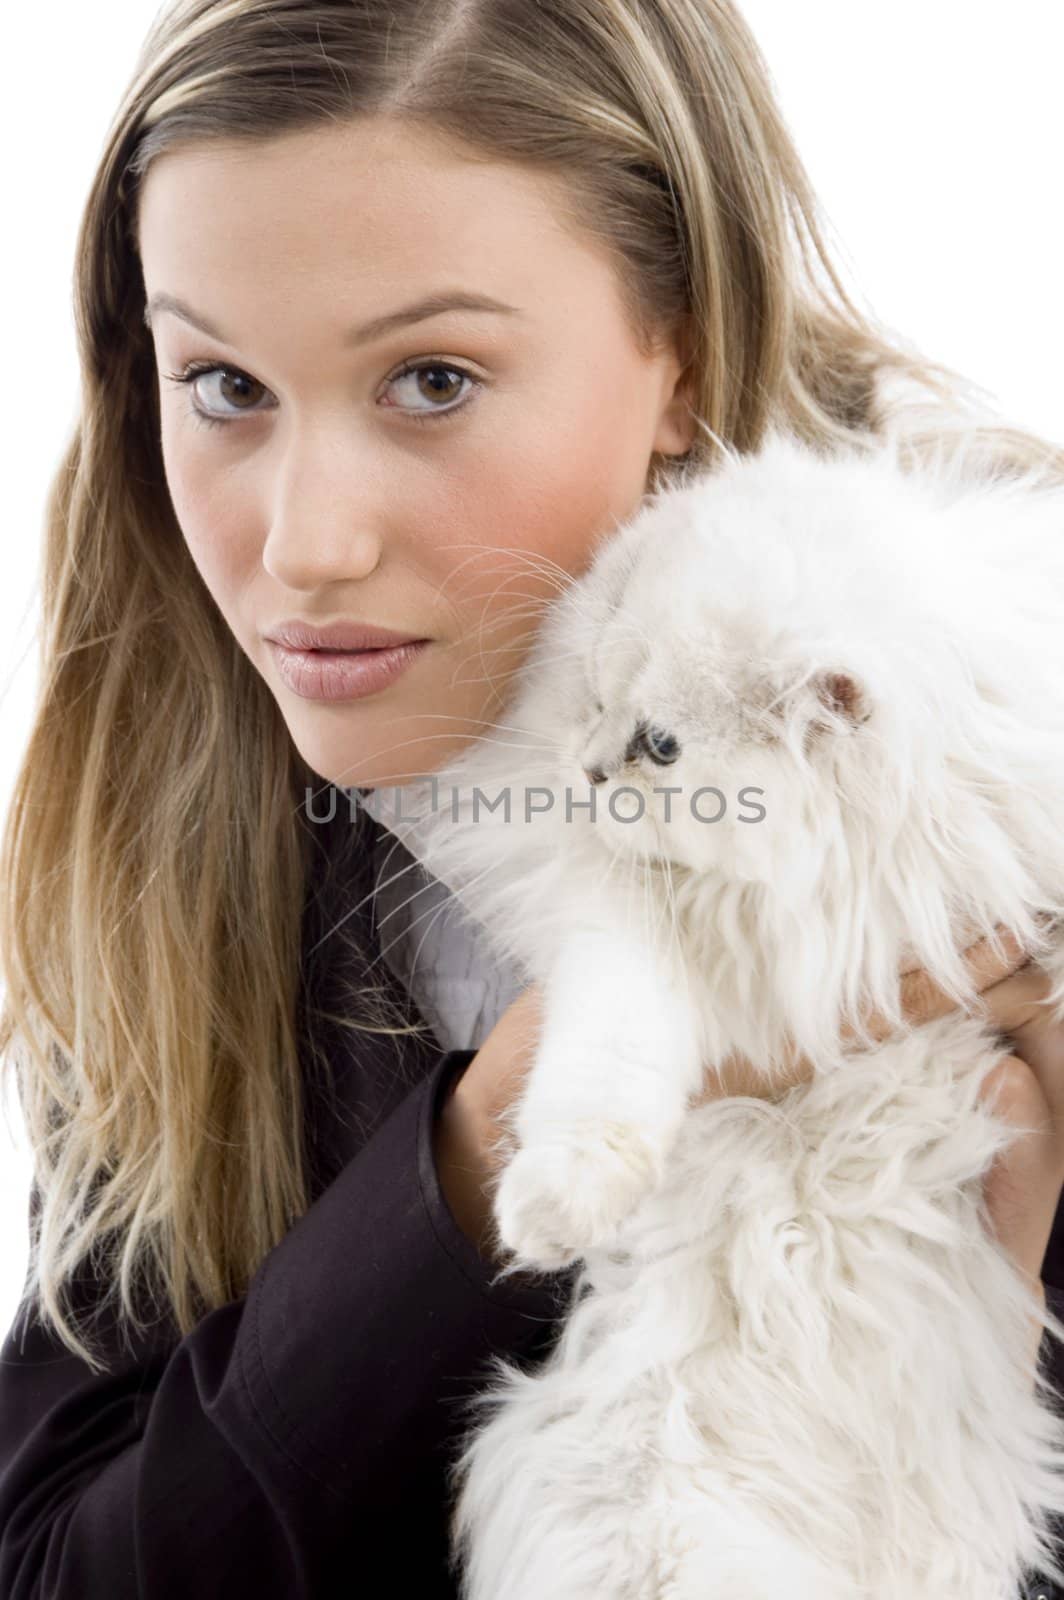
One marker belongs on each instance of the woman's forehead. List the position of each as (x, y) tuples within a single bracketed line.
[(357, 210)]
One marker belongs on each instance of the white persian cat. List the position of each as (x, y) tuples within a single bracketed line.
[(796, 1363)]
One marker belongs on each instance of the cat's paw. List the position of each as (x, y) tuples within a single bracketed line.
[(558, 1199)]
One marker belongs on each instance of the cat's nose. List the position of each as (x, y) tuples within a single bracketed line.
[(594, 775)]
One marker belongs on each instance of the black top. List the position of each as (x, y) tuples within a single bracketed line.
[(293, 1446)]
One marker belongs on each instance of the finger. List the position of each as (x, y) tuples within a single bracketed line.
[(738, 1075), (1023, 1185), (1016, 1007), (922, 999), (1016, 1001)]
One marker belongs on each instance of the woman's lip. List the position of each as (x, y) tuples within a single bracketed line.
[(343, 674), (342, 634)]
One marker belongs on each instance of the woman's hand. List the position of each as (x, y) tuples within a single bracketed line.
[(1023, 1187), (922, 1000), (1024, 1184), (469, 1158)]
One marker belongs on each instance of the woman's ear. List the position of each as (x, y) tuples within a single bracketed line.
[(676, 425)]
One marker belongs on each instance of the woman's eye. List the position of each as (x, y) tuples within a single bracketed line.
[(232, 388), (432, 388), (210, 384)]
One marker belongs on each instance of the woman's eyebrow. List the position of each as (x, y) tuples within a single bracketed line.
[(432, 305)]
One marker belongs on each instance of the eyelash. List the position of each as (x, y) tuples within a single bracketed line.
[(200, 369)]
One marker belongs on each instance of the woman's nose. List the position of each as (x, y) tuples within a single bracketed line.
[(324, 519)]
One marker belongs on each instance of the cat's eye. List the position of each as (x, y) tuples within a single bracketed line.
[(662, 747)]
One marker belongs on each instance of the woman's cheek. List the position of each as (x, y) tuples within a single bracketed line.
[(586, 473), (213, 521), (559, 507)]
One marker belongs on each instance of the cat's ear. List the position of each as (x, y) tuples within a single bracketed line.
[(828, 702), (843, 696)]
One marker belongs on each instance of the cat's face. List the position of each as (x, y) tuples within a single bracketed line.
[(709, 749), (719, 661)]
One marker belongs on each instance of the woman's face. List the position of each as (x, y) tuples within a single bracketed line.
[(333, 485)]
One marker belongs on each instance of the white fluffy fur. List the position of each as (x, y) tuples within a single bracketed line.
[(796, 1362)]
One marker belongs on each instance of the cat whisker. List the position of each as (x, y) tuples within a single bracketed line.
[(472, 883), (348, 914)]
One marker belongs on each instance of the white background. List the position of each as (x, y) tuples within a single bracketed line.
[(932, 130)]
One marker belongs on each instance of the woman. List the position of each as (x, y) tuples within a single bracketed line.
[(385, 311)]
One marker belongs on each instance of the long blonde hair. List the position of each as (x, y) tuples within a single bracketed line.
[(155, 858)]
